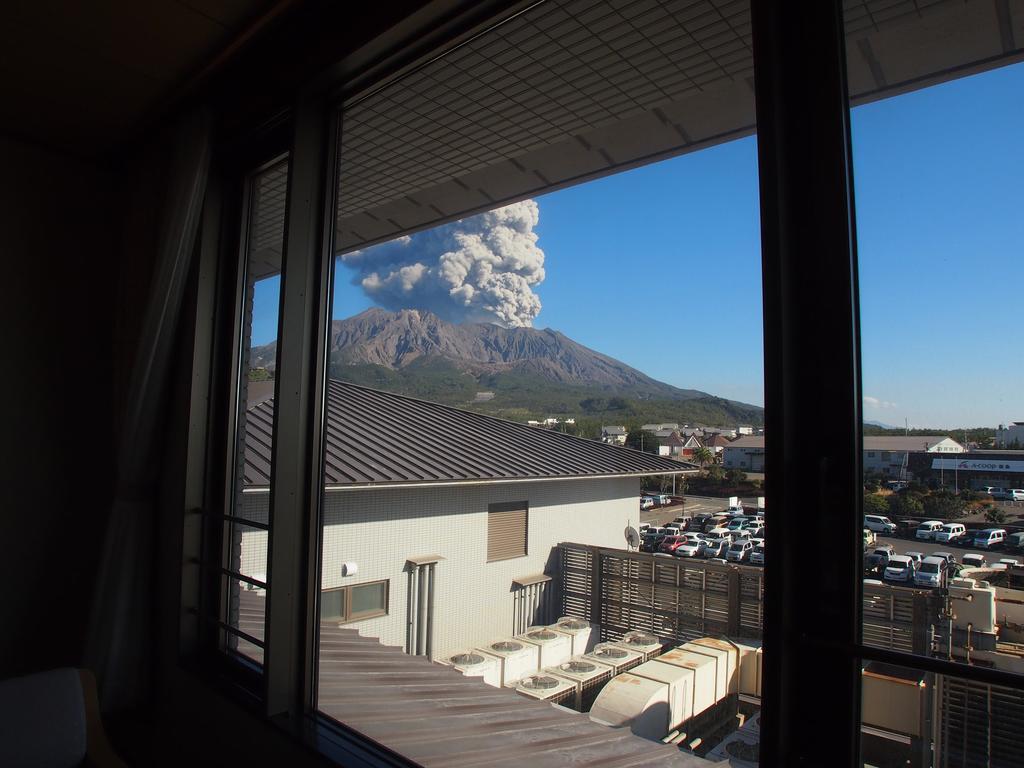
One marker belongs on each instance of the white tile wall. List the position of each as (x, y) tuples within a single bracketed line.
[(380, 529)]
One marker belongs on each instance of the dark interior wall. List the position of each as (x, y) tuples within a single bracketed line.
[(60, 245)]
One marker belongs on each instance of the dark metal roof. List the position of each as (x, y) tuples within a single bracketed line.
[(376, 437), (435, 716)]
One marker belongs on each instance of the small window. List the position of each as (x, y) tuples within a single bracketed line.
[(352, 603), (507, 524)]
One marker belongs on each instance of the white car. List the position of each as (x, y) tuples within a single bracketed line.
[(933, 572), (917, 557), (926, 531), (692, 546), (721, 533), (973, 560), (715, 548), (757, 555), (950, 531), (739, 551), (899, 568), (1015, 494), (646, 502), (879, 524)]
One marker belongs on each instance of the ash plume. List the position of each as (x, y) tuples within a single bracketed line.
[(478, 269)]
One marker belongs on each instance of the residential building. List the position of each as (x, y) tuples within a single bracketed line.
[(1010, 436), (614, 435), (483, 500), (887, 455), (665, 427), (744, 429), (717, 444), (746, 453)]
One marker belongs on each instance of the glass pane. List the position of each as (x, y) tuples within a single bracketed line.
[(368, 598), (923, 719), (247, 606), (245, 547), (936, 151), (547, 267), (332, 605)]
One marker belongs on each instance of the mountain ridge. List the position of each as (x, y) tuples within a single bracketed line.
[(415, 352)]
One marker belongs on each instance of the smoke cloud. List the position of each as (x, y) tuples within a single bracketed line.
[(482, 268)]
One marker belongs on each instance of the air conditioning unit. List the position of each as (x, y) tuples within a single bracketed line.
[(590, 677), (476, 663), (680, 681), (644, 643), (634, 702), (724, 654), (705, 675), (517, 659), (749, 672), (555, 647), (616, 656), (740, 748), (584, 635), (547, 687)]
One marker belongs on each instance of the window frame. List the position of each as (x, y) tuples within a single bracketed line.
[(348, 616), (503, 507), (793, 176)]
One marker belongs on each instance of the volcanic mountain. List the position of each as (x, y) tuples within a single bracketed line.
[(417, 353)]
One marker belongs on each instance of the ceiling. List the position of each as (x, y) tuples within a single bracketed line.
[(81, 76)]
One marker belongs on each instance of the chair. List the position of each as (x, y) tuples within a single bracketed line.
[(52, 720)]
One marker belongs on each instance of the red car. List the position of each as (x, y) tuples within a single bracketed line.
[(671, 543)]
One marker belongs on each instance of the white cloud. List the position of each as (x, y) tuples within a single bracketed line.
[(876, 404)]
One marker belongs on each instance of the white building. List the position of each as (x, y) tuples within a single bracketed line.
[(746, 453), (454, 529), (613, 435), (1011, 436), (888, 455)]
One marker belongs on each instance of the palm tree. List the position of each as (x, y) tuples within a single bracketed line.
[(703, 456)]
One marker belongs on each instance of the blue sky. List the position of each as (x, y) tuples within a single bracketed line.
[(660, 266)]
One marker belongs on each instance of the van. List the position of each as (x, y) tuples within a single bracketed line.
[(879, 524), (989, 538), (899, 568), (950, 532), (926, 531), (933, 572)]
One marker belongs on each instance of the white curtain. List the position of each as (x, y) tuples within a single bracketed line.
[(120, 643)]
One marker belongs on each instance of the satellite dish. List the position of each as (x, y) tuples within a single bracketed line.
[(632, 537)]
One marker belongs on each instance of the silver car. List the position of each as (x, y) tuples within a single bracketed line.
[(899, 568)]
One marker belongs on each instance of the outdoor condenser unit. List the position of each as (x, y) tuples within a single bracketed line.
[(618, 657), (644, 643), (555, 647), (476, 663), (517, 659), (590, 677), (546, 687), (584, 636)]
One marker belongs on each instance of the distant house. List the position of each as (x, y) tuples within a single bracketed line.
[(888, 455), (744, 429), (1011, 436), (613, 435), (716, 443), (667, 428), (746, 453), (673, 445)]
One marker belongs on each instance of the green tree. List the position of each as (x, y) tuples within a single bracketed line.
[(703, 456), (905, 505), (944, 506), (735, 476), (714, 473), (639, 440), (995, 515), (875, 504)]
